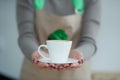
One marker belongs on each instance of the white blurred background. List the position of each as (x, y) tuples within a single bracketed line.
[(107, 58)]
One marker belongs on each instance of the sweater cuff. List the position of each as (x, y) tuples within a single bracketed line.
[(87, 49), (28, 46)]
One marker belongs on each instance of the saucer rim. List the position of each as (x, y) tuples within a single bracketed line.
[(74, 61)]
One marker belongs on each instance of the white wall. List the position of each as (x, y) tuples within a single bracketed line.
[(106, 59), (108, 55), (10, 55)]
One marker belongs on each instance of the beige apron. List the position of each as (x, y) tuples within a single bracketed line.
[(46, 23)]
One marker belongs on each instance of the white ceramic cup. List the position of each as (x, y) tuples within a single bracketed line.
[(58, 50)]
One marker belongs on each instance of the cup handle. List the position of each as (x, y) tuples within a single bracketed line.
[(41, 52)]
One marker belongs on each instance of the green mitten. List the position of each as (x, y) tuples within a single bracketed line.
[(58, 35)]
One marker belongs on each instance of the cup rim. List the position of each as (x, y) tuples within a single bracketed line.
[(59, 40)]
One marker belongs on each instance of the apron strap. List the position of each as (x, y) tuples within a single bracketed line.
[(39, 4), (78, 5)]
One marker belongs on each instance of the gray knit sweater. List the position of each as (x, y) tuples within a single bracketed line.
[(90, 25)]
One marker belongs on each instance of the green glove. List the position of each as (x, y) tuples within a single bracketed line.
[(58, 35)]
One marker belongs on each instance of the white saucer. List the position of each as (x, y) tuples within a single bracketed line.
[(70, 60)]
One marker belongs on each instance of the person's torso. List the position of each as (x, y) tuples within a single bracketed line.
[(55, 15), (58, 14)]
